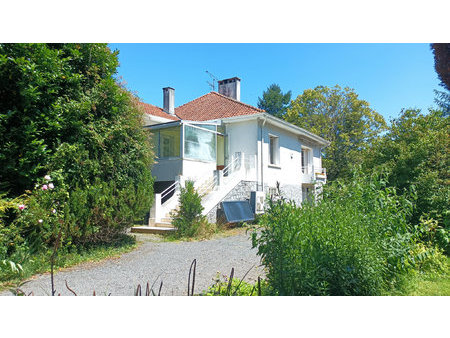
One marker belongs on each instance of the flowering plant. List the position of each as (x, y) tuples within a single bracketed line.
[(42, 214)]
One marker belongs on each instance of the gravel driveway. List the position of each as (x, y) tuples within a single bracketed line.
[(161, 261)]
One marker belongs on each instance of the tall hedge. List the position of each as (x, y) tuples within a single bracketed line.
[(62, 110)]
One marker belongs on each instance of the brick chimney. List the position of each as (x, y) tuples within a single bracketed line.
[(231, 88), (169, 100)]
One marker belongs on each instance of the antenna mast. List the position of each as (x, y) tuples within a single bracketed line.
[(213, 83)]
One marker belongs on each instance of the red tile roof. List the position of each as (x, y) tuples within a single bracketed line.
[(210, 106), (156, 111), (213, 106)]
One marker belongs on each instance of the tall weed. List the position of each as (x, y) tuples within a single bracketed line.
[(355, 241)]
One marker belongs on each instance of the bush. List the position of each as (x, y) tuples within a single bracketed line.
[(12, 247), (414, 153), (189, 220), (355, 241), (222, 287), (62, 112)]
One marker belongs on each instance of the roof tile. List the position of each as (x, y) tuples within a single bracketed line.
[(213, 106), (156, 111)]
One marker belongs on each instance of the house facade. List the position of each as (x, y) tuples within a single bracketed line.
[(231, 150)]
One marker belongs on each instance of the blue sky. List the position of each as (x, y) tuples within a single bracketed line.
[(389, 76)]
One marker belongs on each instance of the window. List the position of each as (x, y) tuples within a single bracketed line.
[(274, 150), (199, 144), (305, 161), (307, 194), (167, 142)]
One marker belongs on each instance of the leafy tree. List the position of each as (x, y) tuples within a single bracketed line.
[(61, 110), (441, 53), (273, 101), (442, 99), (339, 116), (415, 152)]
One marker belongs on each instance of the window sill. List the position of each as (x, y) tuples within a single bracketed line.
[(275, 166)]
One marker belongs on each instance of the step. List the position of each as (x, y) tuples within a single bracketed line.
[(162, 223), (152, 230)]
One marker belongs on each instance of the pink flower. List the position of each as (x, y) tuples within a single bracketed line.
[(47, 177), (44, 187), (22, 206), (40, 221), (51, 186)]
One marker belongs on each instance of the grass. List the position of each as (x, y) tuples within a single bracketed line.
[(41, 263), (432, 284), (428, 283)]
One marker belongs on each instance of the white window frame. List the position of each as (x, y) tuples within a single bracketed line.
[(276, 149), (306, 155)]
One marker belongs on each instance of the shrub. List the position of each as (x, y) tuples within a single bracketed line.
[(355, 241), (62, 111), (12, 247), (414, 152), (42, 219), (238, 287), (189, 220)]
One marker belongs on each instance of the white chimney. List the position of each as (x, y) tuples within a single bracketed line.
[(231, 88), (169, 100)]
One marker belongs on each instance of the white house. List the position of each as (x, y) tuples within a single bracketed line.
[(229, 149)]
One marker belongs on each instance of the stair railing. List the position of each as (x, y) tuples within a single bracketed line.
[(169, 189)]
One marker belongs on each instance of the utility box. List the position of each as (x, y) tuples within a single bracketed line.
[(257, 199)]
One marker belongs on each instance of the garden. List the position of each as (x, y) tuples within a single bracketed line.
[(75, 175)]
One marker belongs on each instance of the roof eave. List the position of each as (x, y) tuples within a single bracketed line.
[(280, 123)]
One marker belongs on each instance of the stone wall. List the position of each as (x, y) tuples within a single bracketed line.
[(292, 192), (242, 192)]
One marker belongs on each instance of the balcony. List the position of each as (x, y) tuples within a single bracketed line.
[(321, 175), (311, 174)]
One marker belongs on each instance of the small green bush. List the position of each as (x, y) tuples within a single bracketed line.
[(238, 287), (12, 247), (356, 241), (189, 220)]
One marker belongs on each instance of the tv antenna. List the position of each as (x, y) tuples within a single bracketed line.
[(213, 83)]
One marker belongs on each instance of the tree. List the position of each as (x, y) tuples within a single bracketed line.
[(62, 110), (415, 153), (339, 116), (273, 101), (441, 53)]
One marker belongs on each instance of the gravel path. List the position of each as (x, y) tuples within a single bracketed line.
[(161, 261)]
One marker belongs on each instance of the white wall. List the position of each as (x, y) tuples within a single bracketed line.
[(242, 137), (289, 169), (198, 169)]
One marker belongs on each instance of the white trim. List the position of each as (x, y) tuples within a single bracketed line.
[(157, 119), (276, 150), (280, 123)]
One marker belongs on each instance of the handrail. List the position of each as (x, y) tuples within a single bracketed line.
[(169, 189), (226, 169)]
